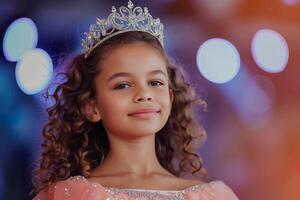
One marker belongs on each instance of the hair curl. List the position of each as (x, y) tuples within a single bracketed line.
[(72, 145)]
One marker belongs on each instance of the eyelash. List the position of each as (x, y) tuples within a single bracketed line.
[(118, 86)]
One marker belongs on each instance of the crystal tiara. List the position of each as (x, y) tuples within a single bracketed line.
[(128, 19)]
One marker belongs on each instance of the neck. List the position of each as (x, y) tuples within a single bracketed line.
[(135, 158)]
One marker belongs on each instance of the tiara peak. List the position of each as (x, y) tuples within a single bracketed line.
[(128, 19)]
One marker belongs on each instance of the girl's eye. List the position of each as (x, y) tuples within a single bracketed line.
[(126, 85), (121, 86), (156, 83)]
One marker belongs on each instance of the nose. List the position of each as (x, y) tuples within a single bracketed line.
[(143, 94)]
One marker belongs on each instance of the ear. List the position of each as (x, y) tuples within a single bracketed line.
[(92, 112)]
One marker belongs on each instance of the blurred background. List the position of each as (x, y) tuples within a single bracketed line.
[(242, 56)]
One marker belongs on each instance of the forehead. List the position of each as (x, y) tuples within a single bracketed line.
[(137, 58)]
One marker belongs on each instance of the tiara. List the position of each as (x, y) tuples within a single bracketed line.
[(128, 19)]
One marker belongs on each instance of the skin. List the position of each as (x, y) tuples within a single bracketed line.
[(132, 156)]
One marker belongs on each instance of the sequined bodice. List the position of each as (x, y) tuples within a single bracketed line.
[(79, 188), (153, 194)]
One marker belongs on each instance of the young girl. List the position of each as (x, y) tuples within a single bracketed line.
[(122, 126)]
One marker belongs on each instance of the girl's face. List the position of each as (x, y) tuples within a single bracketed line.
[(133, 79)]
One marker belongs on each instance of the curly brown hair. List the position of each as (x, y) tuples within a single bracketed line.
[(72, 145)]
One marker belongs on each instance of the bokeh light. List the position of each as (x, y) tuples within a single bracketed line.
[(270, 50), (218, 60), (34, 71), (20, 36)]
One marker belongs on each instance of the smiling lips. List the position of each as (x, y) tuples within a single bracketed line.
[(144, 113)]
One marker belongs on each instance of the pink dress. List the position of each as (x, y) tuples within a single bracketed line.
[(79, 188)]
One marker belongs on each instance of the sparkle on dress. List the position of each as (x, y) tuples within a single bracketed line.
[(152, 194), (95, 191)]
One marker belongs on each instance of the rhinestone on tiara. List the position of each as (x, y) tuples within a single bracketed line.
[(129, 18)]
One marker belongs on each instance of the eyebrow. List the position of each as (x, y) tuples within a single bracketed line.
[(126, 74)]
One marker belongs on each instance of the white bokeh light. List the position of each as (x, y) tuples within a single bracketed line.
[(270, 51), (34, 71), (20, 36), (218, 60)]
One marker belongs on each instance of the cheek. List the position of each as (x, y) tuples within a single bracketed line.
[(111, 103), (164, 96)]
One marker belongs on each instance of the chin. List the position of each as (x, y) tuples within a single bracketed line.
[(145, 132)]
